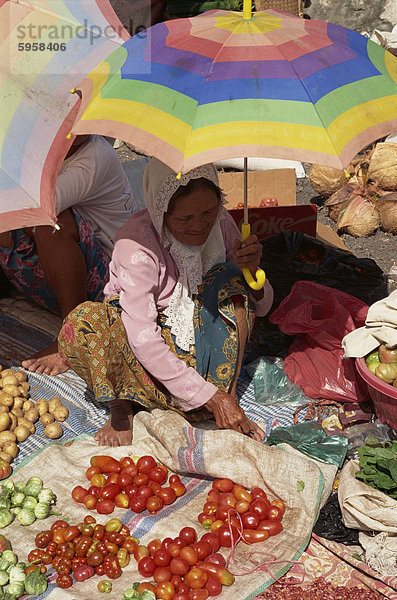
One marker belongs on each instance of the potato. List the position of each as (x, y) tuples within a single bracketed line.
[(42, 406), (3, 408), (5, 421), (46, 419), (11, 389), (18, 412), (61, 413), (18, 402), (22, 392), (14, 421), (27, 405), (53, 403), (6, 457), (32, 415), (6, 399), (21, 433), (24, 385), (53, 431), (10, 380), (21, 376), (11, 448), (27, 423), (7, 372), (7, 436)]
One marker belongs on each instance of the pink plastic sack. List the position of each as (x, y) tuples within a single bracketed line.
[(319, 317)]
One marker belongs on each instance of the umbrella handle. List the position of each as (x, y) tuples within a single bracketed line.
[(260, 274)]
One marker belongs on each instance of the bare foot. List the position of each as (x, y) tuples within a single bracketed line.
[(117, 431), (47, 361)]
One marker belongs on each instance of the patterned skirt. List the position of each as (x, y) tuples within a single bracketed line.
[(93, 341), (23, 269)]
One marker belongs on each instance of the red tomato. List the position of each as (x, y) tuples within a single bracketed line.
[(99, 532), (228, 536), (177, 582), (137, 505), (242, 507), (228, 499), (205, 519), (100, 570), (210, 508), (110, 491), (213, 539), (141, 479), (154, 504), (43, 538), (154, 485), (64, 581), (131, 490), (144, 491), (174, 549), (275, 513), (278, 502), (94, 491), (260, 507), (213, 496), (158, 475), (130, 544), (222, 513), (215, 525), (217, 559), (126, 461), (166, 542), (78, 493), (196, 578), (112, 478), (190, 555), (179, 566), (90, 501), (91, 471), (181, 596), (154, 545), (162, 574), (241, 493), (203, 549), (164, 591), (251, 536), (131, 469), (174, 478), (95, 558), (273, 527), (179, 488), (258, 493), (201, 594), (250, 520), (188, 534), (223, 485), (167, 494), (162, 557), (145, 464), (145, 586), (123, 479), (146, 566), (213, 586), (104, 507), (107, 464)]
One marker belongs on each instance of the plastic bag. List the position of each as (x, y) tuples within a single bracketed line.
[(330, 526), (311, 439), (271, 385), (320, 317)]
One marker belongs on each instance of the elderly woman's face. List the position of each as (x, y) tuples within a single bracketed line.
[(192, 216)]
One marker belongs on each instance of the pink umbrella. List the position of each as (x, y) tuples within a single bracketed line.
[(47, 47)]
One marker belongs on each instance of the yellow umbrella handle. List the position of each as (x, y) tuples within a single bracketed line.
[(260, 274)]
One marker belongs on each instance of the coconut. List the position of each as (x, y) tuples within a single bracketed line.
[(340, 197), (326, 180), (383, 166), (358, 217), (387, 207)]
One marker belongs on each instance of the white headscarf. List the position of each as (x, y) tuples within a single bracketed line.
[(193, 262)]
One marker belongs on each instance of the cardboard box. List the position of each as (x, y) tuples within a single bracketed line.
[(280, 184)]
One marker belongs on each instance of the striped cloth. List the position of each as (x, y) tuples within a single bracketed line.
[(19, 340)]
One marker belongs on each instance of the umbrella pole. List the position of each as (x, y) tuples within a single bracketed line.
[(245, 233)]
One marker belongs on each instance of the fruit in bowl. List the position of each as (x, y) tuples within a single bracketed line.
[(383, 363)]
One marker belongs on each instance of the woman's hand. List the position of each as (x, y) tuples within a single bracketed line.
[(229, 415), (248, 254)]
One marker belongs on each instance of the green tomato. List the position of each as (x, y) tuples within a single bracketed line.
[(105, 586), (26, 516), (386, 372), (373, 365), (373, 357)]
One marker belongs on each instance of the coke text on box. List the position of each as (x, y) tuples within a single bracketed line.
[(272, 220)]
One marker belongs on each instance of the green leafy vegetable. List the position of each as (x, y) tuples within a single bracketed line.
[(378, 467), (300, 486)]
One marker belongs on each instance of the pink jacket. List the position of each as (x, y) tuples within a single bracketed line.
[(144, 275)]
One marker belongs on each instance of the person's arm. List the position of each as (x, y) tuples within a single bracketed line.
[(137, 271)]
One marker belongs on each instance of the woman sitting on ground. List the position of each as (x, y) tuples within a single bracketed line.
[(177, 312)]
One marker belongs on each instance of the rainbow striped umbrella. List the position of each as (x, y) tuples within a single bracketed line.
[(46, 48), (229, 84)]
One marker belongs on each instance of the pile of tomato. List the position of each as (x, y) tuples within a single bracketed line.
[(232, 511), (188, 568), (126, 483), (77, 552)]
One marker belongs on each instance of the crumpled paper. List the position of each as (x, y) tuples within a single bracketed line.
[(380, 552)]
